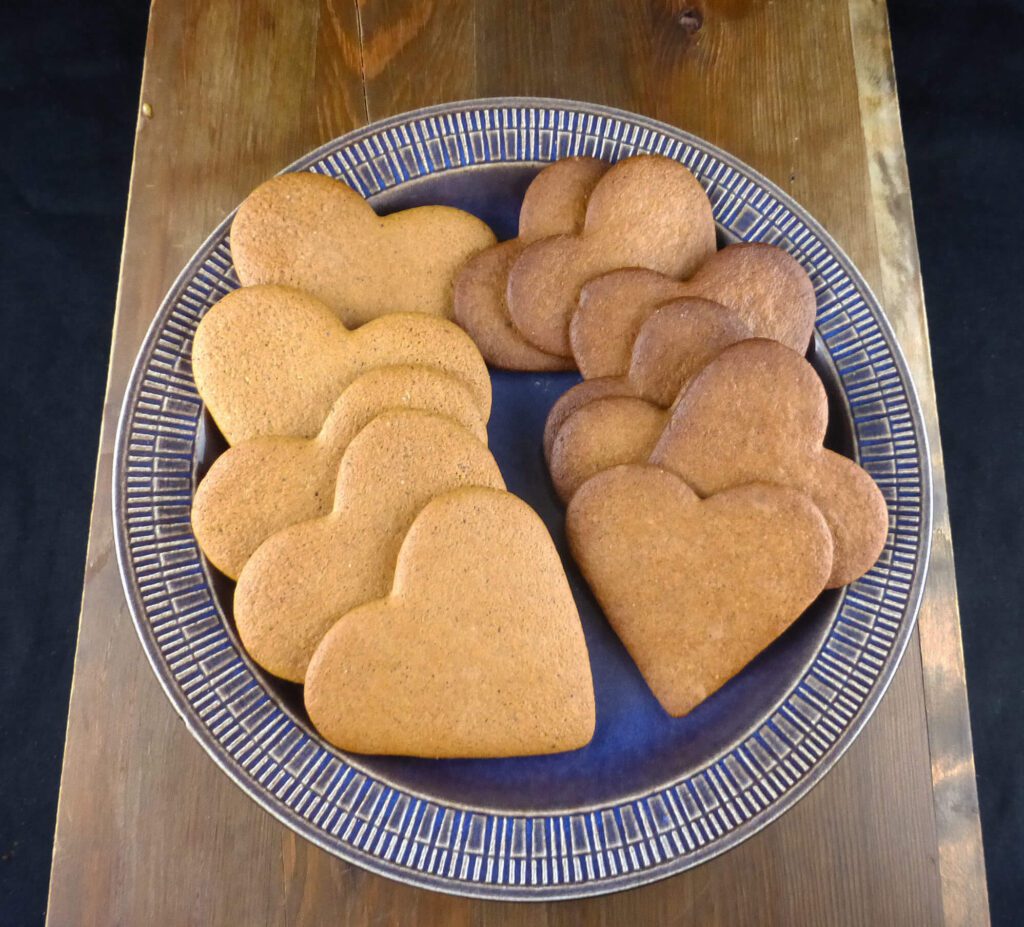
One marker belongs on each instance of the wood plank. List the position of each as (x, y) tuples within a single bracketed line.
[(958, 825), (149, 830)]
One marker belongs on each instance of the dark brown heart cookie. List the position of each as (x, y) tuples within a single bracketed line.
[(674, 342), (555, 204), (767, 288), (695, 589), (647, 211), (758, 413)]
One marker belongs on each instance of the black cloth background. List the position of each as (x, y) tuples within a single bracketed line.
[(69, 81)]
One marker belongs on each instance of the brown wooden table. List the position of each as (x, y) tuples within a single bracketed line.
[(149, 831)]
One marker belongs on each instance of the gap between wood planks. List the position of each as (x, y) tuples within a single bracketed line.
[(358, 4)]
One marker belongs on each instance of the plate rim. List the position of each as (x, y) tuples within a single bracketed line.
[(530, 892)]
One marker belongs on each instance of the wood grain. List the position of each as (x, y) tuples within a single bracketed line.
[(961, 856), (149, 830)]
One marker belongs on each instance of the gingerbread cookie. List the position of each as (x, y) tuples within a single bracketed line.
[(555, 203), (647, 211), (766, 287), (603, 434), (316, 234), (271, 360), (258, 487), (758, 412), (673, 343), (481, 309), (476, 652), (695, 589), (304, 578)]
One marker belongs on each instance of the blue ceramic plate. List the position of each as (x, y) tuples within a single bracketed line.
[(651, 795)]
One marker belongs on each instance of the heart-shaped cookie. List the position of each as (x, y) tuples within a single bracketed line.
[(764, 285), (673, 343), (604, 433), (305, 577), (481, 309), (554, 204), (646, 211), (758, 412), (316, 234), (258, 487), (477, 651), (696, 589), (271, 360)]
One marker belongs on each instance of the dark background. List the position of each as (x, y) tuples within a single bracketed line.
[(69, 83)]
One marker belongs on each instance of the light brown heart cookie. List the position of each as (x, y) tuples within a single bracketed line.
[(673, 343), (555, 203), (316, 234), (271, 360), (304, 578), (696, 589), (647, 211), (758, 412), (765, 286), (258, 487), (476, 652)]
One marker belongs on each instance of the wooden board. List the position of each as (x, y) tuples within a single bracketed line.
[(149, 831)]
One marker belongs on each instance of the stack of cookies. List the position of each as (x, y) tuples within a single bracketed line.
[(378, 559), (703, 509)]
